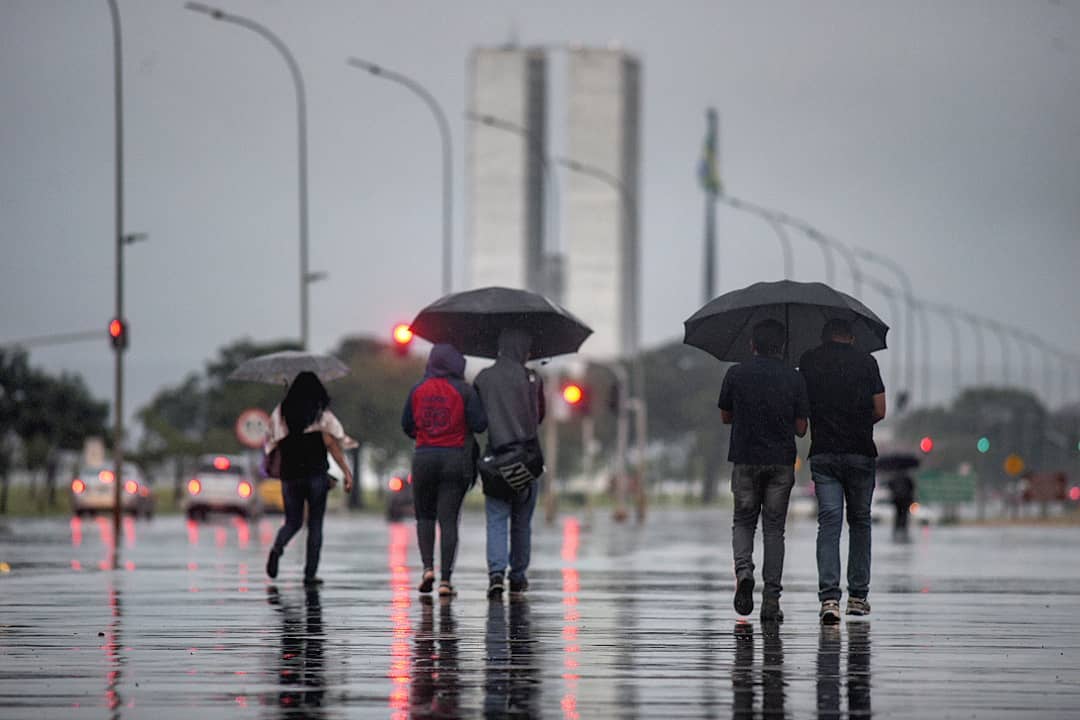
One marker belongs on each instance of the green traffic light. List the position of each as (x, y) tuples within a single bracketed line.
[(983, 445)]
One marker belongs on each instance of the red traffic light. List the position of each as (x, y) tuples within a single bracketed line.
[(403, 334), (926, 444), (573, 394), (118, 333)]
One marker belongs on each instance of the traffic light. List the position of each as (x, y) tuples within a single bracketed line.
[(403, 337), (926, 444), (576, 398), (118, 333), (983, 445)]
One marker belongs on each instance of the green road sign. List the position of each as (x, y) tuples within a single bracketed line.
[(937, 486)]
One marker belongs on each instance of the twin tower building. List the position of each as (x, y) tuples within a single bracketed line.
[(562, 221)]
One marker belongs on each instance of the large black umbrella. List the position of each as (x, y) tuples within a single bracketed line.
[(723, 326), (472, 320)]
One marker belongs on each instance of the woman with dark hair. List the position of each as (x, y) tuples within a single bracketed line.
[(441, 413), (303, 429)]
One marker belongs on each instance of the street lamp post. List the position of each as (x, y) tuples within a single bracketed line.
[(949, 315), (909, 300), (638, 404), (447, 156), (773, 219), (306, 277)]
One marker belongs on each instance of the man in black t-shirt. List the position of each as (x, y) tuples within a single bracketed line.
[(766, 404), (846, 398)]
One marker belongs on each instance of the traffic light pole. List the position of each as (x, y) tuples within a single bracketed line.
[(118, 350)]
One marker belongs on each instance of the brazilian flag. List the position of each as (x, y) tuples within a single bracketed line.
[(708, 170)]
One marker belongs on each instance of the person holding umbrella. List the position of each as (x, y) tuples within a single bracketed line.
[(441, 414), (766, 405), (847, 397), (302, 430)]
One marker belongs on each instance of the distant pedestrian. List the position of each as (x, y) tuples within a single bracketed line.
[(765, 403), (847, 397), (902, 492), (441, 414), (302, 431), (513, 398)]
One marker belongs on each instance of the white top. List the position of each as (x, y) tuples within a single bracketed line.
[(327, 423)]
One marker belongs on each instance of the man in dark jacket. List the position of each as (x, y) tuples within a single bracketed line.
[(847, 397), (513, 399)]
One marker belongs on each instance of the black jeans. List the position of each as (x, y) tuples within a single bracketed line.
[(764, 490), (440, 480), (313, 491)]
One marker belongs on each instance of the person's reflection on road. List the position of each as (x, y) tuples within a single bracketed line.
[(858, 669), (828, 672), (436, 687), (302, 664), (772, 671), (511, 682), (742, 672)]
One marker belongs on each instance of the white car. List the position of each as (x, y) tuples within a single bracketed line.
[(224, 483), (883, 511), (93, 490)]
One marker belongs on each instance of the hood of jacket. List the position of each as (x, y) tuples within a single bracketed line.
[(445, 361), (514, 345)]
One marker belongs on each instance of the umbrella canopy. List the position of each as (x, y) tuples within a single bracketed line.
[(723, 326), (281, 367), (472, 320)]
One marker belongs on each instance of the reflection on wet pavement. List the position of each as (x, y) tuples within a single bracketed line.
[(621, 622)]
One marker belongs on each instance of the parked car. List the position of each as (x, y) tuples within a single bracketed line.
[(93, 490), (399, 498), (224, 483)]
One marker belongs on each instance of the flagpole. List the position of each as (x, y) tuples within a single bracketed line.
[(710, 246), (709, 174)]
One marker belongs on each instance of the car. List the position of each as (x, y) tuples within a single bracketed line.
[(399, 499), (882, 510), (223, 483), (94, 486)]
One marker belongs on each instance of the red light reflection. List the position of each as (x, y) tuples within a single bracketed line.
[(571, 585), (243, 531), (400, 602), (76, 531)]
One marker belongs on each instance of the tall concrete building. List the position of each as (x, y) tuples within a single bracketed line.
[(507, 144), (600, 230)]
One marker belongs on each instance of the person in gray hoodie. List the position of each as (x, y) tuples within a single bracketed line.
[(513, 400)]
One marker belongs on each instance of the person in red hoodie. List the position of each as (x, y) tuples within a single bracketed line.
[(441, 414)]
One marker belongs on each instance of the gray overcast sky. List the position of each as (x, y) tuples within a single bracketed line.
[(945, 134)]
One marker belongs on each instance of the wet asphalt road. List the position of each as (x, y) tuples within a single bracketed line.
[(621, 622)]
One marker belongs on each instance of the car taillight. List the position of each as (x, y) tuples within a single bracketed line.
[(396, 484), (194, 487), (106, 476), (78, 486), (244, 489), (131, 487)]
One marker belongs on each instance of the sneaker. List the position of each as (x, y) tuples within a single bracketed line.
[(744, 596), (519, 587), (857, 606), (272, 563), (770, 610), (830, 612), (495, 586), (428, 581)]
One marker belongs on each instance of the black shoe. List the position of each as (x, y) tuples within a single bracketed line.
[(519, 587), (744, 596), (495, 586), (770, 610), (427, 582), (272, 563)]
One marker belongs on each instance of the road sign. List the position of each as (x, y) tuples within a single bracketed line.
[(935, 486), (252, 427)]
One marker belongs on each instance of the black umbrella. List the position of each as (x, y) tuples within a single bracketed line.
[(472, 320), (723, 327)]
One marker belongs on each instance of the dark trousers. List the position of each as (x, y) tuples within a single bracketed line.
[(440, 481), (761, 490), (313, 491)]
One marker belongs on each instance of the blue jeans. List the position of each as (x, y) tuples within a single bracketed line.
[(518, 514), (840, 478), (295, 493)]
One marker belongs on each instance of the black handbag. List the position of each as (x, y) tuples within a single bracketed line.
[(511, 470)]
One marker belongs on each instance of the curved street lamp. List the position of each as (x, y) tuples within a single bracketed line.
[(306, 277), (773, 219), (447, 155)]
